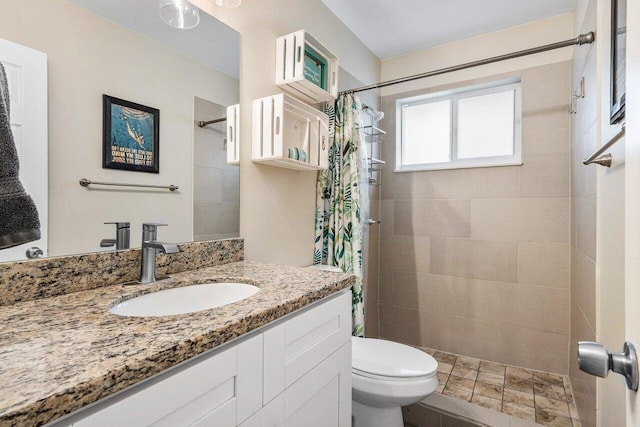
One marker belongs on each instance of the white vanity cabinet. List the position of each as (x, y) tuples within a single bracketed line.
[(295, 372)]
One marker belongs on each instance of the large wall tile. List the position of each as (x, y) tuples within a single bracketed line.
[(429, 292), (552, 94), (474, 183), (437, 218), (545, 175), (404, 253), (586, 223), (583, 384), (385, 286), (540, 308), (387, 208), (492, 301), (544, 264), (553, 355), (583, 285), (545, 132), (475, 259), (533, 220)]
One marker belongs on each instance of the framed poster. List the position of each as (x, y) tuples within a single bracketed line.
[(130, 136), (315, 67), (618, 59)]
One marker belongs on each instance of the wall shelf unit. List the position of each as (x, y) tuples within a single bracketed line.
[(289, 133), (305, 68)]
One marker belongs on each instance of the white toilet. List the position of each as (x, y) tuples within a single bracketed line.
[(385, 376)]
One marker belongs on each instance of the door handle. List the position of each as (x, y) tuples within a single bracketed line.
[(596, 360), (34, 252)]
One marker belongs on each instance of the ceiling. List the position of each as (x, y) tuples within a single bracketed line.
[(211, 42), (392, 28)]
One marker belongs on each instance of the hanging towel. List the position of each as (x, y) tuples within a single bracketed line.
[(19, 222)]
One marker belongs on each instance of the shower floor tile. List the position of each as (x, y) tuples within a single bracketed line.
[(538, 396)]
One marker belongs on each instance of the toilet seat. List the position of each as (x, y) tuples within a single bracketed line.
[(390, 361)]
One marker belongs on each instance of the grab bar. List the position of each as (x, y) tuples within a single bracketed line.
[(605, 160), (85, 183)]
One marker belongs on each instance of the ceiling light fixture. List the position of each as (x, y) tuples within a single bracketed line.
[(179, 14), (228, 3)]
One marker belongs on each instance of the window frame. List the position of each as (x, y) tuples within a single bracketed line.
[(454, 96)]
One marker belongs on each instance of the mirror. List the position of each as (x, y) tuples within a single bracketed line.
[(121, 48)]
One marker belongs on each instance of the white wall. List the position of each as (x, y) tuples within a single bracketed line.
[(277, 206), (534, 34), (632, 200), (89, 56)]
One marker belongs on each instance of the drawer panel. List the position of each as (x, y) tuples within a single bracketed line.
[(181, 398)]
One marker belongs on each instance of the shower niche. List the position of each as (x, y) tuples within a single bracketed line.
[(288, 133)]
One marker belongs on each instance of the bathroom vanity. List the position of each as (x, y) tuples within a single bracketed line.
[(295, 372), (279, 357)]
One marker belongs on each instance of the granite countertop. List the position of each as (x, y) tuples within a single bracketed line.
[(61, 353)]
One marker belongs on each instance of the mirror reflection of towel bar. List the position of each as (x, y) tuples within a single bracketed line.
[(203, 123), (85, 183)]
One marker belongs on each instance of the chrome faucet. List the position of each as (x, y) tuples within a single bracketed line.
[(149, 247), (123, 230)]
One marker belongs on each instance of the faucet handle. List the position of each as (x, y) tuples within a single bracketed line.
[(120, 224), (152, 226)]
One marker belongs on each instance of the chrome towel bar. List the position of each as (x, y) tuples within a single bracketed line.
[(604, 160), (85, 183)]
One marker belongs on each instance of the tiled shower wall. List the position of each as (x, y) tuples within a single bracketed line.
[(583, 220), (216, 184), (477, 261)]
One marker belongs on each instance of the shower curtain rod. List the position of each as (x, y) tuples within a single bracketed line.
[(587, 38)]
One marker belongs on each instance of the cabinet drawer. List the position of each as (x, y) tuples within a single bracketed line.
[(296, 346), (210, 391)]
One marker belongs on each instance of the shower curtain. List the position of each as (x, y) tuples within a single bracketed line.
[(339, 236)]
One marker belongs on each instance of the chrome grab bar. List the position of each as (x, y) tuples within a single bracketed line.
[(604, 160)]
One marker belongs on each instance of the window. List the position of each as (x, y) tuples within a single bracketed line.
[(476, 126)]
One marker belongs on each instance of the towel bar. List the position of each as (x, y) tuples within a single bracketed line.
[(85, 183), (606, 159)]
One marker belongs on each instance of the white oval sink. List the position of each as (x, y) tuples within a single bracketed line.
[(187, 299)]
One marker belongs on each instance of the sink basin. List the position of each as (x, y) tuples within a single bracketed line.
[(187, 299)]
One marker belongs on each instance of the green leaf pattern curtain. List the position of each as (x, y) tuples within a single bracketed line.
[(338, 209)]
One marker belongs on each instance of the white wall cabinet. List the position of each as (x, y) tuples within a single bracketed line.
[(294, 373), (305, 68), (289, 133)]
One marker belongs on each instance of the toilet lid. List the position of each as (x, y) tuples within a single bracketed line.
[(390, 359)]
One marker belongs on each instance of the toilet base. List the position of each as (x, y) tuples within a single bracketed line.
[(369, 416)]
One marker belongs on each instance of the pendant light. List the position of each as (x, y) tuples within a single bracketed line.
[(179, 14)]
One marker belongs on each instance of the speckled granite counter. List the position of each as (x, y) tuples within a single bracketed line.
[(61, 353)]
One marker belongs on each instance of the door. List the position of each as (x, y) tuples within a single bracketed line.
[(632, 196), (27, 76)]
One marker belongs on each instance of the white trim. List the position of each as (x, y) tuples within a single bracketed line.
[(454, 96)]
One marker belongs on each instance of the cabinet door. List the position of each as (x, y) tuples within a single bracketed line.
[(322, 398), (296, 346)]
